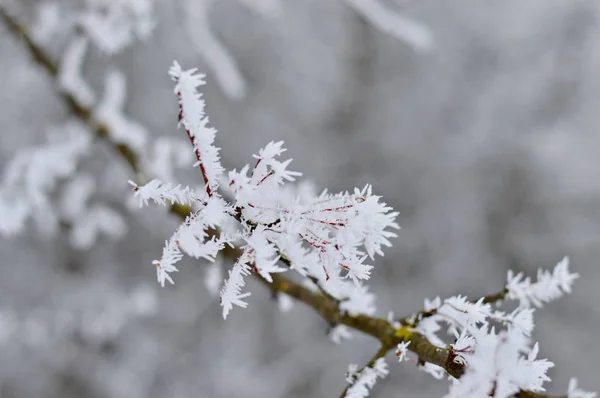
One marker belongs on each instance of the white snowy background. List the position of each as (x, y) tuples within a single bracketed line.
[(488, 144)]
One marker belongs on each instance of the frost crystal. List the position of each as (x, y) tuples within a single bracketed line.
[(171, 255), (326, 238), (402, 350), (231, 293), (339, 333), (195, 123), (366, 379), (161, 193), (548, 287)]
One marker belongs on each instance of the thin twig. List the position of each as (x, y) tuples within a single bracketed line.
[(383, 350)]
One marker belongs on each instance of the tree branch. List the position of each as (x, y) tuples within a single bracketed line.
[(328, 309), (413, 319), (383, 350)]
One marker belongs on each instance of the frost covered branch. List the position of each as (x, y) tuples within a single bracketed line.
[(360, 382), (326, 239)]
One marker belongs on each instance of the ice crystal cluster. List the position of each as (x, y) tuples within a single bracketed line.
[(495, 346), (329, 240), (362, 382)]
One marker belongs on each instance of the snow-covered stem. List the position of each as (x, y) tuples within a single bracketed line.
[(194, 121), (381, 352), (388, 334), (379, 328), (413, 319)]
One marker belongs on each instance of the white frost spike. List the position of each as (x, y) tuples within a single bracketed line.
[(431, 305), (161, 193), (195, 122), (170, 256), (263, 254), (352, 373), (270, 151), (376, 219), (522, 318), (339, 333), (437, 372), (394, 24), (231, 292), (549, 285), (576, 392), (268, 171), (535, 369), (366, 379), (402, 351)]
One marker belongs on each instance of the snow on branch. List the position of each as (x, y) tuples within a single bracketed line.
[(548, 287), (326, 238), (319, 237), (162, 193), (170, 256), (231, 293), (363, 382), (195, 123)]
